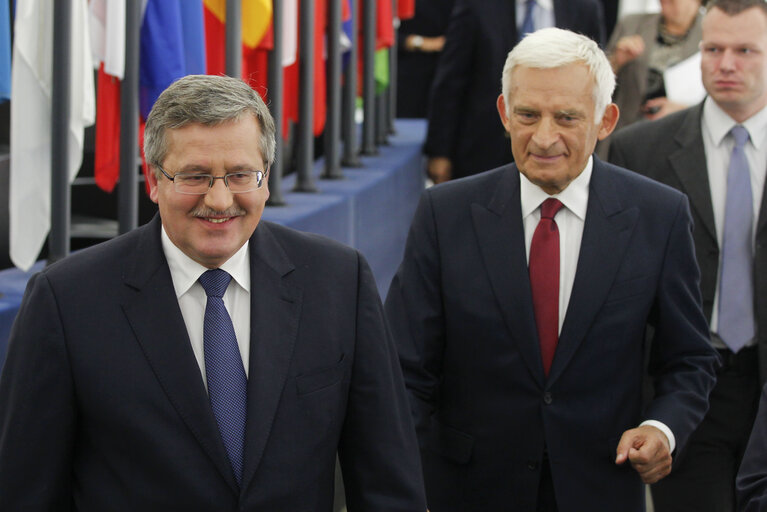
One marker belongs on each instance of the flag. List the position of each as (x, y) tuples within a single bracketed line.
[(31, 80), (5, 51), (193, 33), (405, 9), (162, 57), (107, 29), (289, 32)]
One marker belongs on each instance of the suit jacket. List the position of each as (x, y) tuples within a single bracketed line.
[(463, 120), (102, 404), (460, 308), (632, 78), (751, 482), (670, 150)]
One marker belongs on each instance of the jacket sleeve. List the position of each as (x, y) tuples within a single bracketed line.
[(415, 313), (37, 407), (378, 450), (682, 363)]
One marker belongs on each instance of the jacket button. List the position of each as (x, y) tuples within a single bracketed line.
[(547, 399), (532, 465)]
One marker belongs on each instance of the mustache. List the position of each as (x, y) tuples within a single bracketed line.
[(204, 211)]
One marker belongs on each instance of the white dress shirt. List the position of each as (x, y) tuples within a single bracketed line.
[(570, 222), (718, 144), (543, 14), (185, 273)]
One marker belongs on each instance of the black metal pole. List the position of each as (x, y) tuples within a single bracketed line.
[(333, 124), (276, 102), (127, 192), (393, 52), (304, 179), (349, 125), (234, 38), (368, 79), (61, 198)]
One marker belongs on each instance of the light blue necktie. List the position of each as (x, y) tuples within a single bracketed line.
[(227, 382), (736, 285), (527, 23)]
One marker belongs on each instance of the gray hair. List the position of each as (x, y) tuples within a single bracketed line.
[(208, 100), (554, 47)]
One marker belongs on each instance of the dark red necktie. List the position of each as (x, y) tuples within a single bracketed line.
[(544, 280)]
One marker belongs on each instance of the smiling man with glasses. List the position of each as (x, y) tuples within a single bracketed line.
[(209, 360)]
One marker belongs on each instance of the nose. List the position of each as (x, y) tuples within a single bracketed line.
[(727, 61), (545, 134), (219, 198)]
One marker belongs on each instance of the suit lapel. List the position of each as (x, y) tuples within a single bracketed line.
[(159, 328), (689, 164), (275, 307), (606, 236), (501, 238)]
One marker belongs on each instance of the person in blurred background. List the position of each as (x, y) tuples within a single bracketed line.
[(421, 40), (642, 47)]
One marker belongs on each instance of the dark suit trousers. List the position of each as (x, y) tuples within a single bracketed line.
[(703, 476)]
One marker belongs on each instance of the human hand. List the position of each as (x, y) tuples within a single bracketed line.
[(660, 107), (626, 49), (647, 449), (439, 169)]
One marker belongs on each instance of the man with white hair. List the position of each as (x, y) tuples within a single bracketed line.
[(521, 307)]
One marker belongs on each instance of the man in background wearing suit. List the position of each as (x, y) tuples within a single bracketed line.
[(207, 361), (716, 153), (464, 135), (521, 305)]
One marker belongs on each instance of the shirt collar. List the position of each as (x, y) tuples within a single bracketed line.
[(185, 271), (575, 196), (718, 124)]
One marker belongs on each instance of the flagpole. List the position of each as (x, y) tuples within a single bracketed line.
[(276, 104), (127, 192), (234, 38), (393, 63), (349, 133), (333, 126), (61, 197), (304, 180), (368, 78)]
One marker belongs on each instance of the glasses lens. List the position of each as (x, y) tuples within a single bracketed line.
[(192, 183), (244, 181)]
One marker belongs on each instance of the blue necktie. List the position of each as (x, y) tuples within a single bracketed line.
[(227, 382), (527, 23), (736, 285)]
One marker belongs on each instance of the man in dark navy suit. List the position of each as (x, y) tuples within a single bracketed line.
[(521, 307), (207, 361)]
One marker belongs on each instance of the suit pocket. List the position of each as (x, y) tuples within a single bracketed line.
[(450, 443), (627, 289), (321, 378)]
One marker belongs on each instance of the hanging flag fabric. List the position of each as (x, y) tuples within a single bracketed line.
[(162, 58), (256, 17), (193, 33), (405, 9), (32, 77), (289, 32), (5, 51), (107, 29)]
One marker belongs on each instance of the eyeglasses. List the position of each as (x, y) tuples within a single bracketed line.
[(199, 184)]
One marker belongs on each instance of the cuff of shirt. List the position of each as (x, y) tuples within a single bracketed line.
[(663, 428)]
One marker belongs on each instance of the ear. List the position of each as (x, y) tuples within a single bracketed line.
[(151, 177), (501, 104), (609, 120)]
